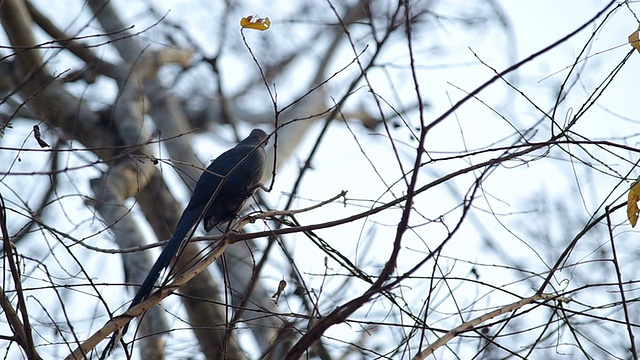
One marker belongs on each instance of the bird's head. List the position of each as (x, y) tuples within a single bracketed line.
[(256, 137)]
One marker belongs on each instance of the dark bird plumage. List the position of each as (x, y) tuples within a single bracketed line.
[(231, 178)]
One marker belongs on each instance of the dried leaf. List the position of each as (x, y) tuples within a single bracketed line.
[(38, 136), (634, 39), (632, 202), (275, 297), (255, 23)]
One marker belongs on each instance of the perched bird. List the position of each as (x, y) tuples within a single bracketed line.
[(231, 179)]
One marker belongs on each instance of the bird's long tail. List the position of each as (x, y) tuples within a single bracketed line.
[(164, 260)]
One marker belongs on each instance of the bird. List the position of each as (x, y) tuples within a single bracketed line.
[(231, 179)]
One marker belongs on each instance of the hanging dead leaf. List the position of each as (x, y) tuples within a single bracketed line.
[(632, 202), (38, 136), (275, 297), (634, 39), (255, 23)]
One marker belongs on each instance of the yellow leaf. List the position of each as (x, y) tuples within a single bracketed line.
[(634, 39), (632, 202), (256, 23)]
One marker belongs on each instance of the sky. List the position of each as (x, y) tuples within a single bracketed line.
[(514, 196)]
